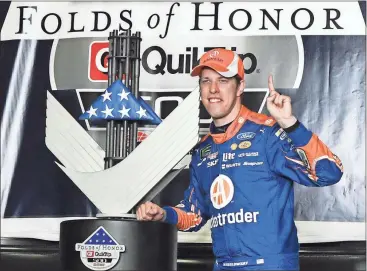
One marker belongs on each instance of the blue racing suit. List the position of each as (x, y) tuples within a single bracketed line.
[(242, 181)]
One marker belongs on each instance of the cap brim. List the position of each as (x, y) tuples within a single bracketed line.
[(218, 68)]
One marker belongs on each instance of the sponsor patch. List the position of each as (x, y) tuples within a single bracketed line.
[(221, 191), (212, 163), (253, 163), (248, 154), (220, 220), (246, 136), (244, 145), (283, 136), (204, 152), (225, 166), (303, 156), (228, 156), (278, 133), (100, 251), (233, 146), (212, 155)]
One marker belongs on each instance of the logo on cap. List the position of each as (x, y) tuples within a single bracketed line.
[(214, 53)]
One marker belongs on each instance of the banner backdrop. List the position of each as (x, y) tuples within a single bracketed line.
[(315, 51)]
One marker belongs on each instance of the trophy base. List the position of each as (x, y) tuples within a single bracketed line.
[(117, 243), (116, 216)]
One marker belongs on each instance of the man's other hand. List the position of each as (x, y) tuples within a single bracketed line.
[(149, 211), (279, 106)]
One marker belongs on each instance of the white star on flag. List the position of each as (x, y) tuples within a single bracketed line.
[(108, 111), (124, 112), (92, 111), (141, 112), (106, 95), (123, 95)]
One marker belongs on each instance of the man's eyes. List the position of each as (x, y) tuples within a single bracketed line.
[(221, 81)]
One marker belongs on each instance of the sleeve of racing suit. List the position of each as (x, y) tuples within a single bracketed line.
[(190, 214), (299, 155)]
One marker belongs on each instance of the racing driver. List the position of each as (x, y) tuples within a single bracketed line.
[(243, 171)]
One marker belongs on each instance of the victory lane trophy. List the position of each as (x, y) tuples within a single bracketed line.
[(115, 239)]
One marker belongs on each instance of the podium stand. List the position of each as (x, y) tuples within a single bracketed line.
[(119, 242)]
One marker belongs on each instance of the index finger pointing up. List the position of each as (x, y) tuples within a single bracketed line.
[(271, 86)]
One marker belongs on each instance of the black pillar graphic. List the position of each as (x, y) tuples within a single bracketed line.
[(124, 64)]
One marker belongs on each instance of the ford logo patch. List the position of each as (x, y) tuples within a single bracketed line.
[(247, 135)]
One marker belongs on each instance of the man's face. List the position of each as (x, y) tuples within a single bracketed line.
[(219, 94)]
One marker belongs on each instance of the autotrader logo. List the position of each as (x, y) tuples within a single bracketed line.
[(221, 191)]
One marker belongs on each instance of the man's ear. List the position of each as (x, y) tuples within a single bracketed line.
[(241, 87)]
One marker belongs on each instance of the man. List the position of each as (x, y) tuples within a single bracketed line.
[(242, 173)]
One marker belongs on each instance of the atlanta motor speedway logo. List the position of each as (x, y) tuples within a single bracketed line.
[(165, 80)]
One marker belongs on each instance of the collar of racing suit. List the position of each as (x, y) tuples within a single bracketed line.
[(223, 133), (219, 129)]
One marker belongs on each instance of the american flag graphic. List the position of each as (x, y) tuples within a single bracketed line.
[(119, 103), (100, 237)]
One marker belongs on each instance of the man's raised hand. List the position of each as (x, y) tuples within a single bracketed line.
[(279, 106)]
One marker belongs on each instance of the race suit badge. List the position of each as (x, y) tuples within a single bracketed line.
[(100, 251)]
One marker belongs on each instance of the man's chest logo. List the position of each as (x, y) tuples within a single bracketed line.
[(221, 191)]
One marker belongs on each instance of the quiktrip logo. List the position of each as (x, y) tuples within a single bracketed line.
[(98, 63), (100, 251), (164, 62), (167, 64)]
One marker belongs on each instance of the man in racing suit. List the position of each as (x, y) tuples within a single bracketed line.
[(242, 173)]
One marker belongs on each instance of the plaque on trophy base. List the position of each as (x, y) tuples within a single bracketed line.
[(117, 244)]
